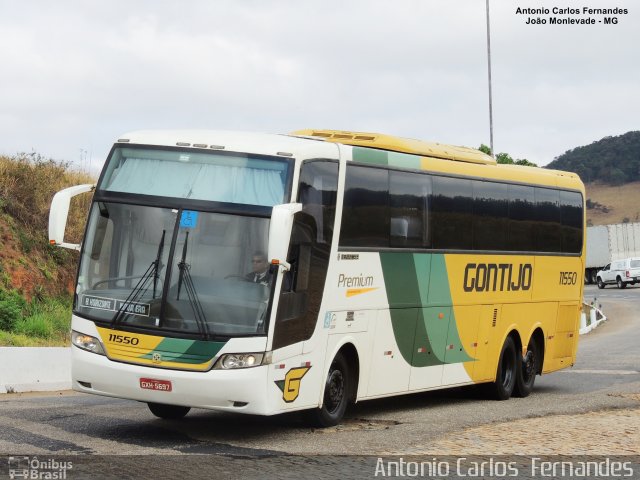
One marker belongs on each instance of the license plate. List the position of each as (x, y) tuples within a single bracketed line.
[(153, 384)]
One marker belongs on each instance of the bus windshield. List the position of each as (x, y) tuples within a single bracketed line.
[(184, 271), (175, 262)]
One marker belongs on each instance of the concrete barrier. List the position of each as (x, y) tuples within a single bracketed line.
[(592, 320), (33, 369)]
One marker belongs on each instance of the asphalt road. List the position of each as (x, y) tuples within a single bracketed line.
[(66, 423)]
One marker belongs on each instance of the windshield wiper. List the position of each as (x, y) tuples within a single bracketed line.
[(156, 272), (141, 287), (192, 295)]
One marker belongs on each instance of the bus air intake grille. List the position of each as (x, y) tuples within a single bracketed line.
[(158, 351)]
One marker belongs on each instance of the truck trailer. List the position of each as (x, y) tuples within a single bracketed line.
[(607, 243)]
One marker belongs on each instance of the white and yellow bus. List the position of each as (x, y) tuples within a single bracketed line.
[(394, 266)]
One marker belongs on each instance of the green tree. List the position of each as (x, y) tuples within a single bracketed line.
[(525, 162), (618, 177), (612, 160), (506, 159), (484, 149)]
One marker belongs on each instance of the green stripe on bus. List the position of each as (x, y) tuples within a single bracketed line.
[(439, 292), (422, 318), (402, 291), (370, 155), (404, 160), (384, 157), (400, 279), (185, 351), (203, 350)]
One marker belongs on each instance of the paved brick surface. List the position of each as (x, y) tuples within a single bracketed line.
[(161, 453), (613, 432)]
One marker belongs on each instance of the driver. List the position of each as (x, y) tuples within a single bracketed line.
[(260, 269)]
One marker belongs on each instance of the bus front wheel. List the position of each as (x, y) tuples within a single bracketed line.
[(507, 372), (336, 395), (168, 412)]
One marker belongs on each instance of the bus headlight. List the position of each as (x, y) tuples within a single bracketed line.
[(239, 360), (86, 342)]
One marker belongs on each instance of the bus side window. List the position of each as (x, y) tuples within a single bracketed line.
[(365, 215), (522, 226), (303, 285), (452, 213), (490, 215), (571, 219), (302, 237), (548, 230), (304, 265), (102, 223), (408, 210), (293, 323)]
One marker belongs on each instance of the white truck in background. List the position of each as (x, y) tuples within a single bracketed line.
[(608, 243), (621, 273)]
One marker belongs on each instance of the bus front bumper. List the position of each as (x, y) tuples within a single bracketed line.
[(238, 390)]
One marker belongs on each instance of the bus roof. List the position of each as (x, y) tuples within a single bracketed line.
[(402, 145), (311, 143), (234, 141), (438, 157)]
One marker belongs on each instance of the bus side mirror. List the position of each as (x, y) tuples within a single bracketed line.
[(280, 232), (59, 212)]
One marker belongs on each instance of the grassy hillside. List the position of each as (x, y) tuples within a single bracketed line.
[(36, 279), (613, 204), (610, 169)]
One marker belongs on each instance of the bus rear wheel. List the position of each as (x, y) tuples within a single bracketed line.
[(336, 395), (168, 412), (527, 370), (507, 372)]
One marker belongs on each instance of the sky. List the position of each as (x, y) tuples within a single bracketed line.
[(76, 75)]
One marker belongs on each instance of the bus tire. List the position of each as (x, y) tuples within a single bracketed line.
[(527, 370), (168, 412), (336, 395), (507, 372)]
